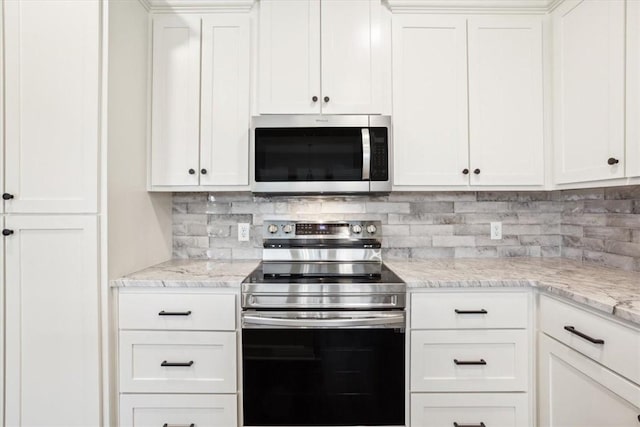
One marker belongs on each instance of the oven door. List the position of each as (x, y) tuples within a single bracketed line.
[(323, 368)]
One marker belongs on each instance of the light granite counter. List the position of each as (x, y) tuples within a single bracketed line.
[(611, 291), (190, 273)]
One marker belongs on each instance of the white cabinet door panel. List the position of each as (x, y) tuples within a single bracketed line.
[(633, 89), (577, 392), (156, 410), (505, 100), (224, 144), (589, 38), (431, 145), (351, 59), (289, 63), (52, 322), (175, 106), (52, 89)]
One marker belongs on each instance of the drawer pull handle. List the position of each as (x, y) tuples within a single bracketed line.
[(481, 311), (469, 425), (178, 425), (581, 335), (175, 313), (176, 364), (470, 362)]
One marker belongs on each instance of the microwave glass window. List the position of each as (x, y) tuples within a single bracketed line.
[(308, 154)]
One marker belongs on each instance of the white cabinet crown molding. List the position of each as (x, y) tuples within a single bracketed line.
[(468, 6), (198, 6)]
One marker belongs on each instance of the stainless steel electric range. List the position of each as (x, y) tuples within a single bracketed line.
[(323, 329)]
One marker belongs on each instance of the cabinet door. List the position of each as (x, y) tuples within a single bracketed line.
[(52, 324), (351, 57), (289, 67), (430, 100), (575, 391), (633, 89), (224, 146), (589, 61), (52, 89), (175, 107), (505, 100)]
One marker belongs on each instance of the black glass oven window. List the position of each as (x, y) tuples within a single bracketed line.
[(323, 377), (308, 154)]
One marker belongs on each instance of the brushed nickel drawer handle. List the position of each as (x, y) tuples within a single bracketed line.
[(176, 364), (582, 335)]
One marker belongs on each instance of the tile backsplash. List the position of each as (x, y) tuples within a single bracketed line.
[(597, 225)]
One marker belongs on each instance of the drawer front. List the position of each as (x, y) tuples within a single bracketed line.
[(474, 360), (467, 409), (621, 349), (144, 410), (177, 311), (177, 362), (469, 310)]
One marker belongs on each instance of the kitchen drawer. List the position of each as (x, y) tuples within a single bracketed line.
[(621, 349), (434, 354), (469, 310), (157, 410), (210, 356), (177, 311), (470, 409)]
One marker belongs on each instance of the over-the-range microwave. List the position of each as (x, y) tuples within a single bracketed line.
[(320, 154)]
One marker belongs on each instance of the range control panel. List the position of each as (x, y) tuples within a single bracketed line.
[(331, 229)]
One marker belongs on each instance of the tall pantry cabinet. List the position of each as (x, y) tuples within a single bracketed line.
[(51, 288)]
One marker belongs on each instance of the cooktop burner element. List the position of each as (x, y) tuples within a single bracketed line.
[(323, 265)]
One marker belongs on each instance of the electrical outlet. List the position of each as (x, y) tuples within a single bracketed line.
[(243, 232), (496, 231)]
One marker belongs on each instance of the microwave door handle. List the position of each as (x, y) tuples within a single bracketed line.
[(366, 154)]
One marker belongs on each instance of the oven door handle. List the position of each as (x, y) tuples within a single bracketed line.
[(388, 321), (366, 154)]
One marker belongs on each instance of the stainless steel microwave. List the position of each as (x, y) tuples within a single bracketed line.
[(320, 154)]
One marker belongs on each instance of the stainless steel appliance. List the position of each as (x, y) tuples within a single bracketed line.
[(323, 329), (320, 154)]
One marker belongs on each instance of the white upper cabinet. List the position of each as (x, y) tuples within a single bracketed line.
[(175, 106), (224, 146), (505, 100), (52, 90), (289, 57), (589, 84), (467, 100), (430, 100), (633, 89), (200, 101), (320, 56)]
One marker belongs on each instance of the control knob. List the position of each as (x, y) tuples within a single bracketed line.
[(272, 228), (371, 229), (288, 228), (357, 229)]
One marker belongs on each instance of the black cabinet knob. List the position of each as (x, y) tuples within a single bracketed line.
[(476, 171), (314, 99), (465, 171), (326, 99), (203, 171), (192, 171), (7, 196), (6, 232), (613, 161)]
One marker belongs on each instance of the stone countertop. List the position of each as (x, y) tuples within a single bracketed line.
[(609, 290), (190, 273)]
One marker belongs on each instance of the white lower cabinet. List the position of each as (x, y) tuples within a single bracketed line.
[(152, 410), (469, 409), (575, 391)]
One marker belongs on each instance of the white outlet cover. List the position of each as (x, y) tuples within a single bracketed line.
[(243, 232), (496, 231)]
